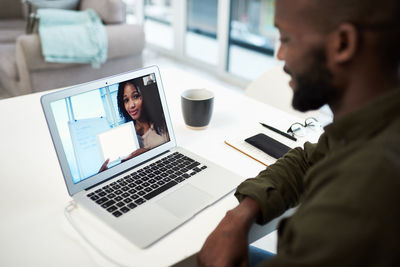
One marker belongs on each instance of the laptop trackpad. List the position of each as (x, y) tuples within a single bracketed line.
[(185, 201)]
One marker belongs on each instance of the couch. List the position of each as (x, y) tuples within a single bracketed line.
[(23, 69)]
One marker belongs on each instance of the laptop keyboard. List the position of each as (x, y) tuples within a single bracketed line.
[(134, 189)]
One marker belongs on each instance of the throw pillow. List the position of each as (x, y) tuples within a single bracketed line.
[(31, 6), (110, 11), (36, 4)]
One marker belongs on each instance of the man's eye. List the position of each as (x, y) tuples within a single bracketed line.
[(284, 39)]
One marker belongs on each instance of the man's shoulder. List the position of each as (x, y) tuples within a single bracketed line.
[(362, 169), (367, 179), (383, 149)]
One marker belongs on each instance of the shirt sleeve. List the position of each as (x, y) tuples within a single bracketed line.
[(352, 222), (280, 186)]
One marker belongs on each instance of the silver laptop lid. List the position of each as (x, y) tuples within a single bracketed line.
[(105, 127)]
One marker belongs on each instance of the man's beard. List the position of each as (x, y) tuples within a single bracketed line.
[(314, 85)]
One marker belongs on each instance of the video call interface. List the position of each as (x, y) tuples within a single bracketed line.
[(104, 127)]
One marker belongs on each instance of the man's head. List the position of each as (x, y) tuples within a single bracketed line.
[(326, 44)]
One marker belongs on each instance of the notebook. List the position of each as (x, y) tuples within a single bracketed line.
[(119, 157)]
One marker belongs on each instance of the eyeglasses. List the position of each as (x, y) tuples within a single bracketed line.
[(298, 129)]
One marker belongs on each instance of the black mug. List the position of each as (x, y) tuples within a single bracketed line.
[(197, 107)]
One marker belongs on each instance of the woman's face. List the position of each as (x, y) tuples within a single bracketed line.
[(132, 101)]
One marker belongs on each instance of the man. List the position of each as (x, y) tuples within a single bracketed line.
[(344, 53)]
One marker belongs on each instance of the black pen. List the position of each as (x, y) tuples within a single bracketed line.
[(279, 132)]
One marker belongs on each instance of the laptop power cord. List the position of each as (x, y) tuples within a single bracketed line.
[(67, 212)]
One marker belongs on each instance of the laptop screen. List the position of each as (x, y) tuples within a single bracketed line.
[(102, 128)]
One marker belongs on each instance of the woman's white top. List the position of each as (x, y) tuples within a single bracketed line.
[(151, 139)]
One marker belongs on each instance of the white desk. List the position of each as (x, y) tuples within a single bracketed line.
[(33, 229)]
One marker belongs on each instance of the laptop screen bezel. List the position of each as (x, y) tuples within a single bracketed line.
[(47, 99)]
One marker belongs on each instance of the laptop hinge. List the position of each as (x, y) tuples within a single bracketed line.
[(133, 167)]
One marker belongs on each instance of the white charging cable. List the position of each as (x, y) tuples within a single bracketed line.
[(67, 212)]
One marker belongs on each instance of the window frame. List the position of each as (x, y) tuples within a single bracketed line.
[(179, 21)]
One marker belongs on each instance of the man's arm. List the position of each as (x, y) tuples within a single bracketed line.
[(227, 244), (280, 186)]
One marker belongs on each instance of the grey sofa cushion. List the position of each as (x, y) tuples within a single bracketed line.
[(8, 65), (10, 9), (132, 45), (110, 11), (75, 74), (11, 29), (36, 4), (8, 70)]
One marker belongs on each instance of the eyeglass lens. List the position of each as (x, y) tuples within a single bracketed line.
[(299, 129), (311, 122)]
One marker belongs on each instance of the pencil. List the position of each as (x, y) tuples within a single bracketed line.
[(245, 153), (278, 131)]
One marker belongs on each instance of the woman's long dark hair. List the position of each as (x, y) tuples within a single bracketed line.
[(151, 104)]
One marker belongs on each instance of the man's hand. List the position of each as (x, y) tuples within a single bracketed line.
[(227, 244)]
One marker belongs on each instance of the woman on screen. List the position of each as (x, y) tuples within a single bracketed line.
[(143, 107)]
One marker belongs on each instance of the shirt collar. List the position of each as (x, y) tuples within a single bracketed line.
[(367, 120)]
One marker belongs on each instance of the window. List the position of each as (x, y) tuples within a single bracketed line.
[(228, 37), (158, 23), (252, 37), (109, 98), (201, 30), (88, 105), (132, 13)]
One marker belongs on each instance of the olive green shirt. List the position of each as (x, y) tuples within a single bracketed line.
[(348, 185)]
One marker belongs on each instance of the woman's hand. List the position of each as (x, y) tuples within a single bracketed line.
[(131, 155), (135, 153), (104, 166), (227, 244)]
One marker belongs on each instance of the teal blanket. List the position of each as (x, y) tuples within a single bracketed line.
[(72, 36)]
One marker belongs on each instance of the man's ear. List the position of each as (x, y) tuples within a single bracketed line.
[(343, 43)]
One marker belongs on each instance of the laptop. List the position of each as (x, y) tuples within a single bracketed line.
[(119, 157)]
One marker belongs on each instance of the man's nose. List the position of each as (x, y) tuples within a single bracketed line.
[(280, 55)]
